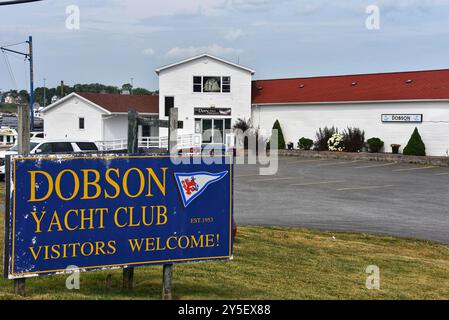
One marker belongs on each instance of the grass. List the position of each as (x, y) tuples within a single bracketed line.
[(277, 263), (8, 107)]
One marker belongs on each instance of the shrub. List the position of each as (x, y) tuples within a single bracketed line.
[(354, 139), (375, 145), (305, 144), (242, 124), (336, 142), (415, 146), (322, 137), (281, 141)]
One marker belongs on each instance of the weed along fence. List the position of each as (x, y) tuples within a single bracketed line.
[(116, 211)]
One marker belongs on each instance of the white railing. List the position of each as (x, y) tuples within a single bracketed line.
[(109, 145), (149, 142), (185, 141)]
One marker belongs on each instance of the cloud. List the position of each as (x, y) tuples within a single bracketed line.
[(234, 34), (213, 49), (149, 52), (250, 5), (138, 9)]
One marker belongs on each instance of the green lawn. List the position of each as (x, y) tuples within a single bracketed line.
[(278, 263), (8, 107)]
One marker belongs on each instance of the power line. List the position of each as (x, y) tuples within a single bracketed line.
[(8, 67), (14, 44), (5, 3)]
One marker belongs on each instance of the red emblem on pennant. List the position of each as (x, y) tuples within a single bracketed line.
[(190, 186)]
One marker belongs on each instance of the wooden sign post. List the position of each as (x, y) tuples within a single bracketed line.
[(134, 120), (23, 148), (173, 150), (133, 148)]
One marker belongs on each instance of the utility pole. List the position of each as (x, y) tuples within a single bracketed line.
[(28, 56), (45, 99), (132, 85), (30, 45)]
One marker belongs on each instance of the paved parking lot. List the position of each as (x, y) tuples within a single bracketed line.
[(376, 197)]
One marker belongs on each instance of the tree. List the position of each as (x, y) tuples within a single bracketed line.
[(142, 92), (24, 96), (415, 146), (242, 124), (280, 135)]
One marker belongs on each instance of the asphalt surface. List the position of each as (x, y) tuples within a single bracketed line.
[(336, 195)]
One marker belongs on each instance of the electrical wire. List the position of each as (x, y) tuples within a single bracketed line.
[(8, 67), (10, 2), (14, 44)]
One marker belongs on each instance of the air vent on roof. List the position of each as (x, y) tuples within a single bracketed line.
[(301, 86), (354, 84), (409, 81), (260, 88)]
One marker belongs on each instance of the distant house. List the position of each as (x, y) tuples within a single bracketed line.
[(97, 116), (9, 99)]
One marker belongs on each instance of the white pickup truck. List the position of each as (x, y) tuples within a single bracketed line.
[(40, 146)]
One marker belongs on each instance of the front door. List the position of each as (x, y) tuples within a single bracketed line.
[(213, 130)]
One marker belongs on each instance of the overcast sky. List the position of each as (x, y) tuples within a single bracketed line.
[(122, 39)]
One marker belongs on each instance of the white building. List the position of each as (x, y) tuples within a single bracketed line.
[(388, 106), (97, 117), (211, 93)]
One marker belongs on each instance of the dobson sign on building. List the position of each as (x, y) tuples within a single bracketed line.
[(115, 211), (410, 118)]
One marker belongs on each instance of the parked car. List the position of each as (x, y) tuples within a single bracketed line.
[(40, 146), (35, 135)]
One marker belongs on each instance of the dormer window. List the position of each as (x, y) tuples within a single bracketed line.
[(209, 84)]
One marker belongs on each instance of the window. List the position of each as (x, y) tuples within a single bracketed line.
[(169, 103), (197, 84), (211, 84), (81, 123), (146, 131), (87, 146), (45, 148), (228, 124), (226, 84), (61, 147)]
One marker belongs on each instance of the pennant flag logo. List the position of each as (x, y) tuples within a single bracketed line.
[(192, 185)]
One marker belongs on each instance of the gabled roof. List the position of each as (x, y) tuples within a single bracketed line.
[(115, 103), (204, 56), (415, 85)]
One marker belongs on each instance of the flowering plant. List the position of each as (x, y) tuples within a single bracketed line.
[(336, 142)]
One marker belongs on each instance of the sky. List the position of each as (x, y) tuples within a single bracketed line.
[(117, 40)]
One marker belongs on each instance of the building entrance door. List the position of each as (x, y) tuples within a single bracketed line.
[(213, 130)]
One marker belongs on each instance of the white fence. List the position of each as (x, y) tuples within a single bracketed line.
[(186, 141)]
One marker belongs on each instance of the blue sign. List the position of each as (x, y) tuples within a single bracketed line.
[(109, 211)]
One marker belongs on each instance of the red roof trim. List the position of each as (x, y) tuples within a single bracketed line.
[(425, 85)]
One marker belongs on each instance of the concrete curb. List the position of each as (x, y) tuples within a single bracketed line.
[(381, 157)]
